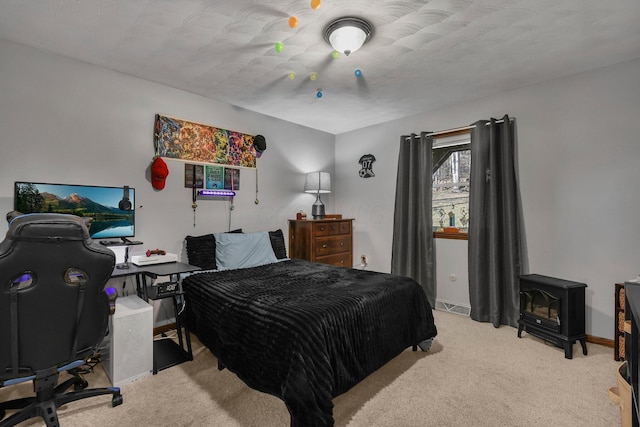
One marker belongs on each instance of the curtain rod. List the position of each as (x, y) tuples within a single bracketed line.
[(456, 131), (451, 131)]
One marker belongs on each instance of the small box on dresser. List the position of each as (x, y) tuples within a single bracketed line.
[(329, 241)]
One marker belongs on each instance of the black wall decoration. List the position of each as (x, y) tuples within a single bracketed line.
[(366, 161)]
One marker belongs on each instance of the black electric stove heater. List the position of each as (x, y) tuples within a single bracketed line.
[(554, 310)]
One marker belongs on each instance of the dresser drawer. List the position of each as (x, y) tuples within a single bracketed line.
[(342, 227), (339, 260), (321, 229), (332, 228), (332, 245)]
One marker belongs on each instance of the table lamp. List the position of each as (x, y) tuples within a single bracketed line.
[(318, 182)]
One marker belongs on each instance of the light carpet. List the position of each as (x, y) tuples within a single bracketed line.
[(474, 375)]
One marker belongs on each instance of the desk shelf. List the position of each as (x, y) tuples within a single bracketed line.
[(168, 353)]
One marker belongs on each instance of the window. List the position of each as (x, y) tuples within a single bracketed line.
[(451, 178)]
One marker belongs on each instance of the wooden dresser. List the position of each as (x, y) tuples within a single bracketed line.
[(329, 241)]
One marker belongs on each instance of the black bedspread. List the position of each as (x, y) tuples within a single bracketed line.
[(303, 331)]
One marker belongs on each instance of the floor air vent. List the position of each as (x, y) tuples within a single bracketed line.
[(453, 307)]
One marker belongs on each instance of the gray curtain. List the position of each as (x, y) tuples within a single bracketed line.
[(413, 250), (494, 224)]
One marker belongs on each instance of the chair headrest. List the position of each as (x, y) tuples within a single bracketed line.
[(48, 226)]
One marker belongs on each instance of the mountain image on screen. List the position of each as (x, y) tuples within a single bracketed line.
[(98, 203)]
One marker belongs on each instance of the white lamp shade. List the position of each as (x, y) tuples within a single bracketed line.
[(317, 182), (347, 39), (348, 34)]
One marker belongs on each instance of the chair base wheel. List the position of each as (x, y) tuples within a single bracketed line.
[(81, 385)]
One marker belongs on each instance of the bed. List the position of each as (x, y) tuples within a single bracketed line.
[(302, 331)]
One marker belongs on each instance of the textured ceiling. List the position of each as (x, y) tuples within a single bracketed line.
[(425, 54)]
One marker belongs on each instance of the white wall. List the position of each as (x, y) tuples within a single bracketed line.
[(69, 122), (64, 121), (578, 155)]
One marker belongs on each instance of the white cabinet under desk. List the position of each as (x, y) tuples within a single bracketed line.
[(127, 350)]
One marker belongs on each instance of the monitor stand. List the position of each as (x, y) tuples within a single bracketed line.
[(122, 242), (125, 265), (126, 241)]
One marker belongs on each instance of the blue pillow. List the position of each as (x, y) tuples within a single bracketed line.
[(243, 250), (201, 250)]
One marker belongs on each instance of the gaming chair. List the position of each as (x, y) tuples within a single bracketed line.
[(54, 312)]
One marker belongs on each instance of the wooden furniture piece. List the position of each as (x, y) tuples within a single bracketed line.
[(618, 332), (632, 356), (329, 241)]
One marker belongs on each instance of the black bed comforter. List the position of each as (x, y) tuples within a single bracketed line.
[(303, 331)]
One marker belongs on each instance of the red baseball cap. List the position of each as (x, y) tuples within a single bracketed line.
[(159, 172)]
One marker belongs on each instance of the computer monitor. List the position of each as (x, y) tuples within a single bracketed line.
[(112, 208)]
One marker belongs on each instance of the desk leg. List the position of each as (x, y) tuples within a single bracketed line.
[(188, 337), (141, 288), (179, 326), (178, 322)]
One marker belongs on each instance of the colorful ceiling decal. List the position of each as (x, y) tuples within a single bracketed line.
[(189, 141)]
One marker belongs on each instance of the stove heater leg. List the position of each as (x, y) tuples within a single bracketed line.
[(568, 349), (583, 343)]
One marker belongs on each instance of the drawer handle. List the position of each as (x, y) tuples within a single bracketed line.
[(341, 261), (341, 243), (324, 246)]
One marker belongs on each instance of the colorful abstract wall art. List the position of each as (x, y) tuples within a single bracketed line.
[(189, 141)]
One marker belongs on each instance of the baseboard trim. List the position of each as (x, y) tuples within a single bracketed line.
[(601, 341), (170, 326), (590, 338)]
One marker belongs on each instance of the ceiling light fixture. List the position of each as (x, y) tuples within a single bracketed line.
[(348, 34)]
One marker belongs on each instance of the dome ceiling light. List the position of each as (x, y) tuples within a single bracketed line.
[(348, 34)]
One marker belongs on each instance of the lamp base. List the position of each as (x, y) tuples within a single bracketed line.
[(317, 210)]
